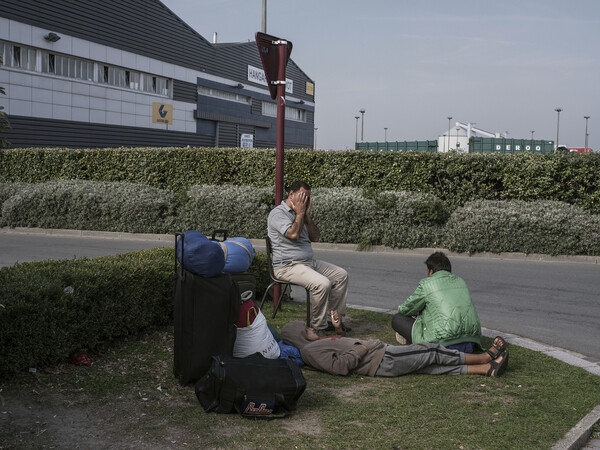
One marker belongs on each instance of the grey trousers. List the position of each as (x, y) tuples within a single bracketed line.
[(327, 283), (425, 358)]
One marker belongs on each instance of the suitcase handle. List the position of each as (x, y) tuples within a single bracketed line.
[(219, 231), (180, 235)]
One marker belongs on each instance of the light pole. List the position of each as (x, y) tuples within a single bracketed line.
[(263, 27), (385, 134), (315, 138), (448, 137), (586, 133), (356, 133), (532, 131), (362, 127), (457, 143), (558, 110)]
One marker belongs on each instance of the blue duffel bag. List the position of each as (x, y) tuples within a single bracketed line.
[(239, 254), (200, 255)]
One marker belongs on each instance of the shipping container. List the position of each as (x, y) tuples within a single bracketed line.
[(399, 146), (504, 145)]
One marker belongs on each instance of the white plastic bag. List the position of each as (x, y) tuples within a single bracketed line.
[(254, 338)]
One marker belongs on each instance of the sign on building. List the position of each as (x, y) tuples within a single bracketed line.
[(247, 140), (162, 113)]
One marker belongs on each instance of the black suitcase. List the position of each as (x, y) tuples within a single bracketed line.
[(205, 310), (253, 386)]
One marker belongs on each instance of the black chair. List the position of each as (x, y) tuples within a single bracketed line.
[(275, 281)]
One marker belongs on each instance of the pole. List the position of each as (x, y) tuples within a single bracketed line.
[(356, 132), (362, 127), (280, 139), (448, 137), (586, 133), (558, 110), (315, 147), (263, 27)]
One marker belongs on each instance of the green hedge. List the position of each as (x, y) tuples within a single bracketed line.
[(51, 309), (453, 178), (546, 227), (344, 215), (85, 205)]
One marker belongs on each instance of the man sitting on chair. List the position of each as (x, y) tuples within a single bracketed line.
[(291, 230)]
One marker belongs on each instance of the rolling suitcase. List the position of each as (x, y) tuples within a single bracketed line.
[(205, 310)]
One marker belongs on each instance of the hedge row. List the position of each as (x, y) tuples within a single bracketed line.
[(344, 215), (52, 309), (454, 178)]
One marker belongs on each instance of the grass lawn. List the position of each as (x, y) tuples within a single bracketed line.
[(130, 399)]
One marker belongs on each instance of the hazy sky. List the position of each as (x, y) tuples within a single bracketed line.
[(503, 65)]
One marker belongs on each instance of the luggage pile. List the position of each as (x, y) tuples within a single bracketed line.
[(222, 341)]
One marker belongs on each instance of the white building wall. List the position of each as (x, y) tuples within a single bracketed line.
[(34, 94)]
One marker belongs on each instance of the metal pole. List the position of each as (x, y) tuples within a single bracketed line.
[(448, 137), (280, 139), (586, 133), (558, 110), (457, 143), (315, 147), (356, 132), (362, 127), (385, 133), (263, 27)]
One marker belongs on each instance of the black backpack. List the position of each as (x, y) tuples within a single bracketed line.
[(254, 386)]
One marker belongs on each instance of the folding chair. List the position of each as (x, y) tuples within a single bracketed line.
[(275, 281)]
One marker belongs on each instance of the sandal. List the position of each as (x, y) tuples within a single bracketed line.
[(498, 368), (500, 348)]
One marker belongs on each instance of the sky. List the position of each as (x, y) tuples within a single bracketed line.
[(504, 66)]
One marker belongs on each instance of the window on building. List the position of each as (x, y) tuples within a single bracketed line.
[(291, 113), (43, 61), (224, 95)]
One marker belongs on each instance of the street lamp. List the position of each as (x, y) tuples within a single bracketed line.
[(457, 143), (362, 127), (315, 138), (586, 133), (385, 134), (356, 133), (558, 110), (448, 137), (532, 131)]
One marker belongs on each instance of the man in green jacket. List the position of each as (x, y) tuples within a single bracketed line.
[(440, 310)]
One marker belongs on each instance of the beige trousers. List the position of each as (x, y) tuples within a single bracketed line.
[(327, 283)]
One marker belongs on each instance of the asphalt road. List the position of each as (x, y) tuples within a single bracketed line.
[(554, 302)]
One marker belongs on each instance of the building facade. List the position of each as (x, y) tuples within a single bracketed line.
[(131, 73)]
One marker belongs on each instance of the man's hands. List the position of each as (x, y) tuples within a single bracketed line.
[(301, 202)]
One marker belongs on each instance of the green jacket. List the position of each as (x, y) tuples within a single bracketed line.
[(446, 312)]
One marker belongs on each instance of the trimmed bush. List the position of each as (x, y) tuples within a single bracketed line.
[(453, 178), (546, 227), (242, 210), (89, 205), (54, 308)]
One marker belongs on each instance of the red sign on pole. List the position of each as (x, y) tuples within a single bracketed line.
[(268, 49), (274, 55)]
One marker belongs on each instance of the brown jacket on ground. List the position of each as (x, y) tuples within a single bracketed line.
[(335, 355)]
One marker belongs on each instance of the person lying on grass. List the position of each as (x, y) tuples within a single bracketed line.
[(342, 355)]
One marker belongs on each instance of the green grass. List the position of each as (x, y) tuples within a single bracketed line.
[(134, 399)]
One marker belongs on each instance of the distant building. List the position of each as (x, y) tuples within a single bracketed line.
[(132, 73)]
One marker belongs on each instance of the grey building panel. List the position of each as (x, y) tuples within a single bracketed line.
[(59, 133), (145, 27), (185, 92), (207, 115)]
